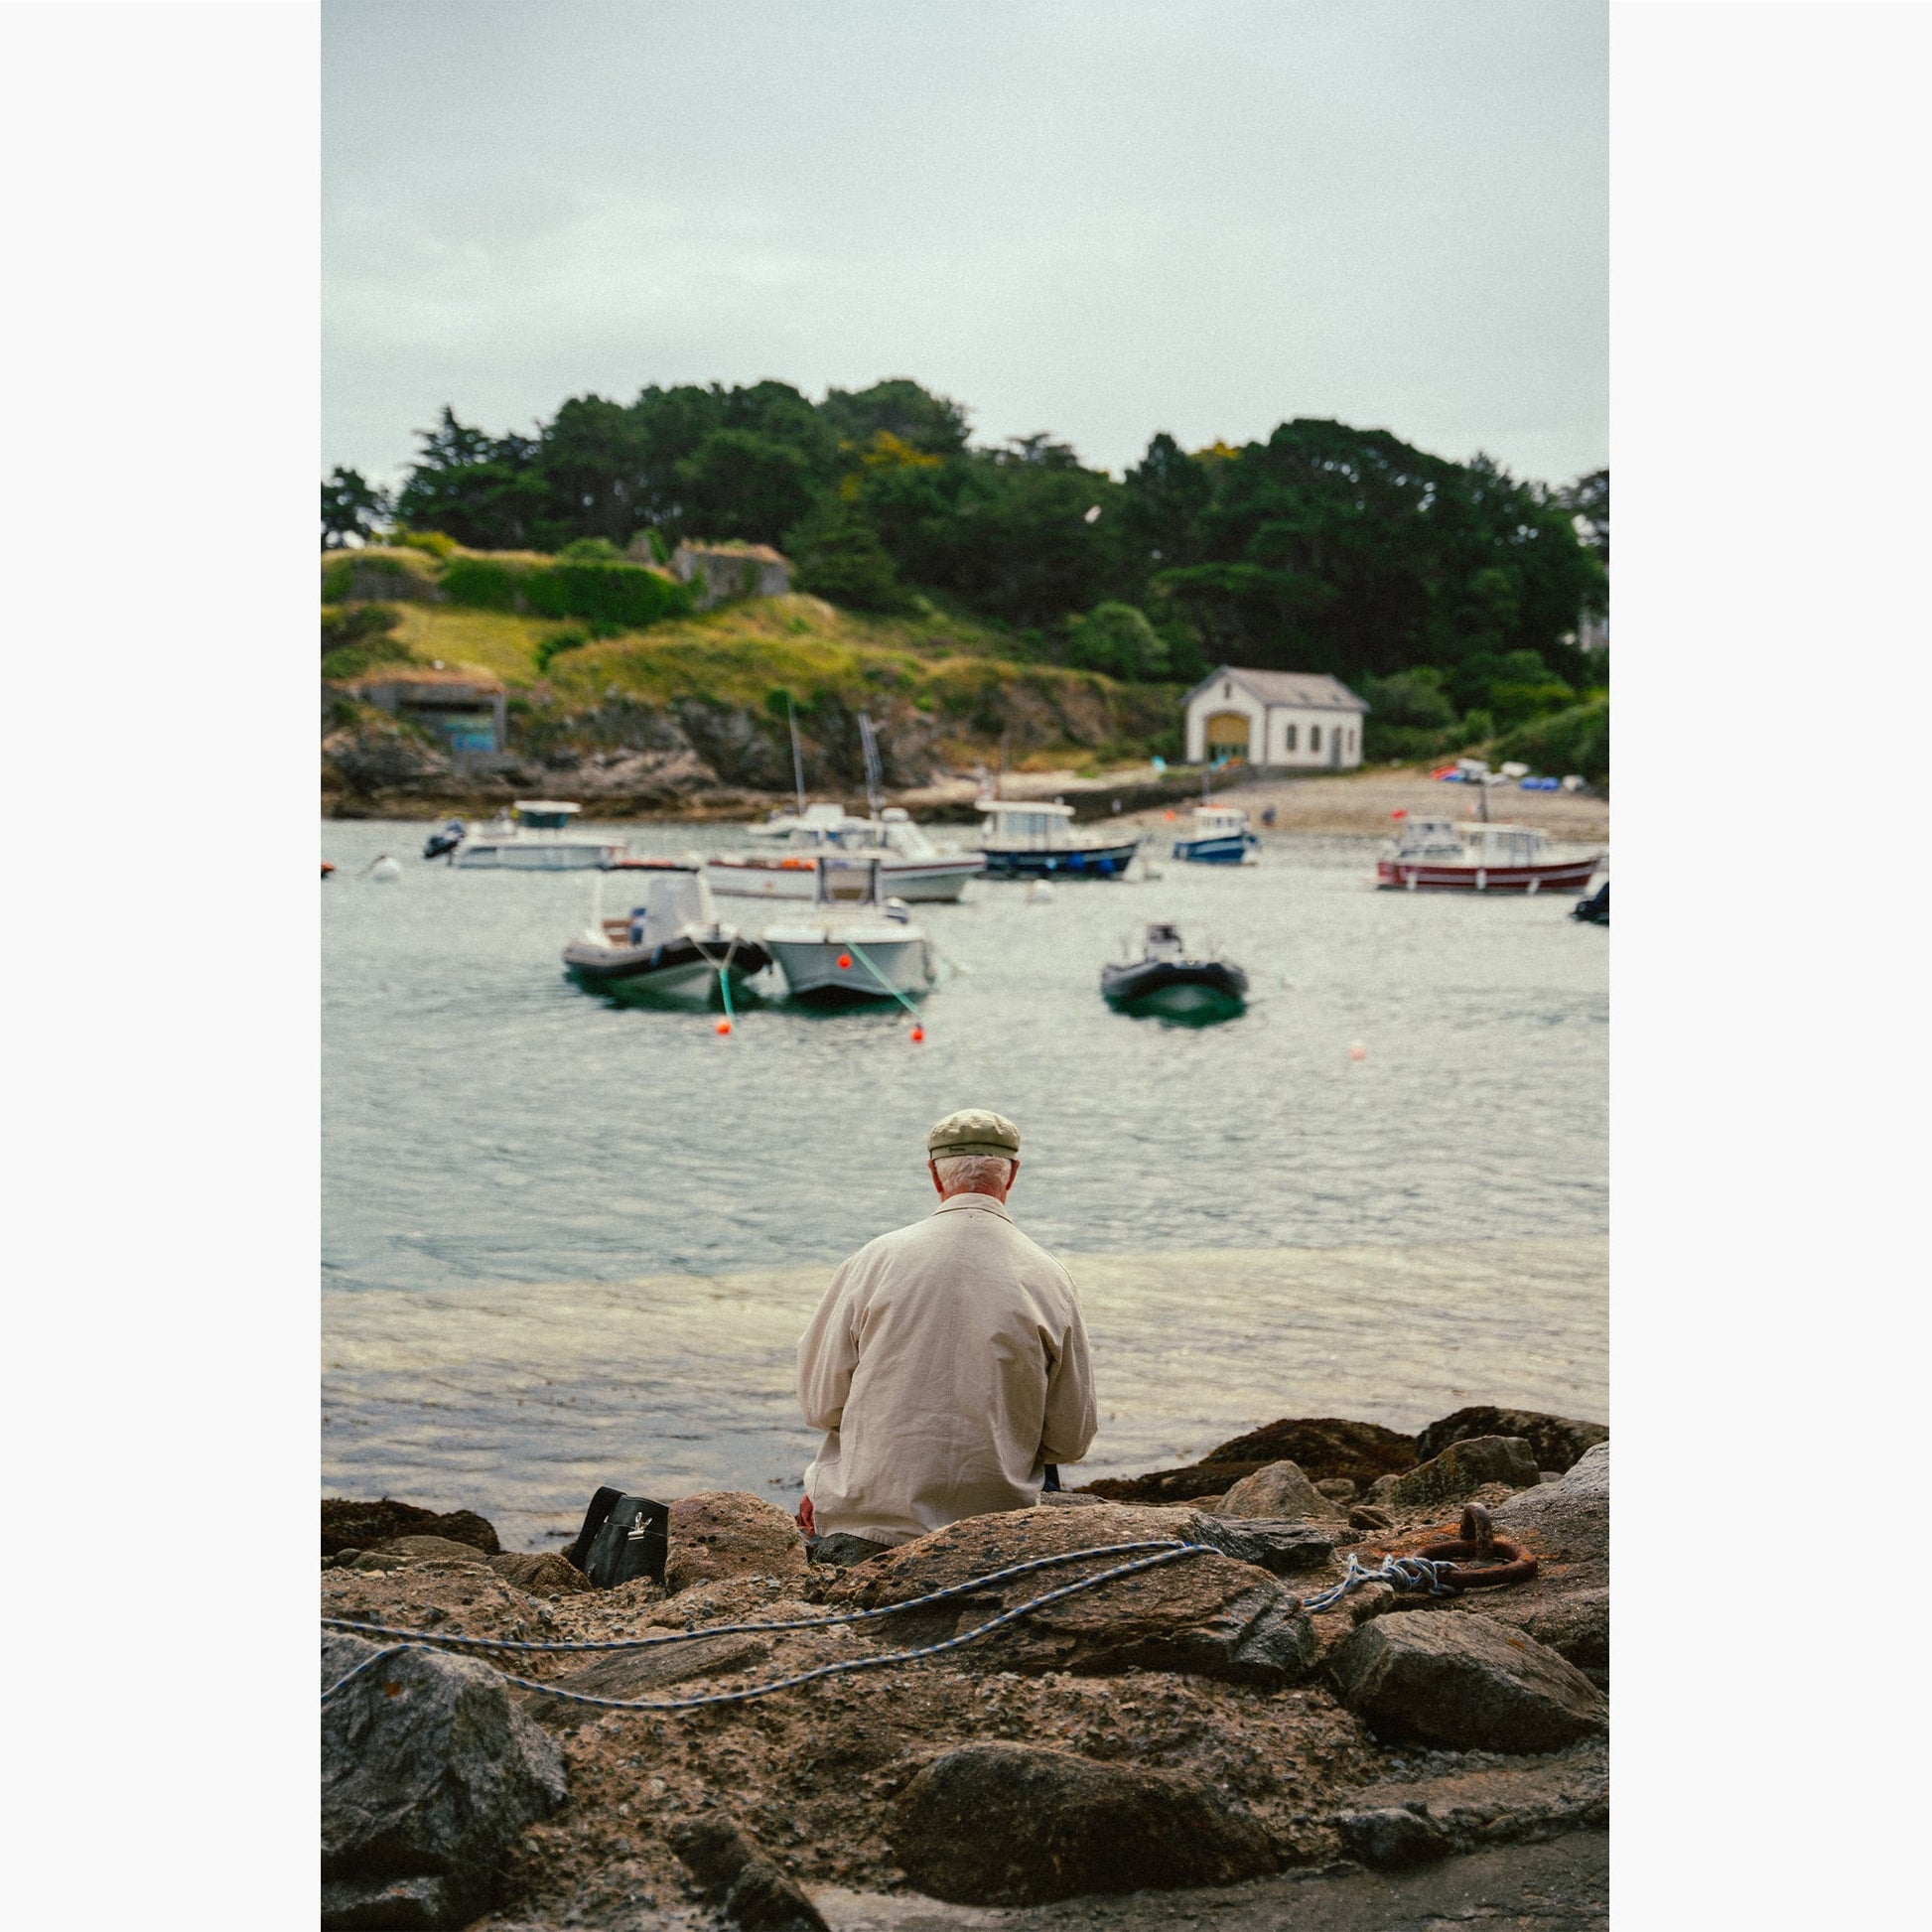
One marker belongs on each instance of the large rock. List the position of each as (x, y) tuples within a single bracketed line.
[(541, 1572), (387, 1904), (350, 1525), (1493, 1801), (731, 1533), (740, 1879), (1282, 1549), (1320, 1446), (1280, 1491), (1464, 1682), (1555, 1440), (638, 1674), (431, 1549), (1463, 1467), (1565, 1526), (1211, 1614), (1017, 1825), (427, 1771)]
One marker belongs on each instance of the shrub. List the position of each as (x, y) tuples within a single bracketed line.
[(1478, 728), (483, 582), (626, 595), (836, 554), (358, 638), (569, 638), (354, 576), (1118, 640), (591, 550), (1577, 740), (1410, 715), (436, 542)]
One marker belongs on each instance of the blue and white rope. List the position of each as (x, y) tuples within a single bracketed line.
[(1403, 1572), (966, 1588), (430, 1641)]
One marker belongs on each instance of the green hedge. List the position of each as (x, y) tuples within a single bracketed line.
[(1577, 740), (626, 595)]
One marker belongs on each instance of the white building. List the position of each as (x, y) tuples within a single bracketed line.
[(1300, 720)]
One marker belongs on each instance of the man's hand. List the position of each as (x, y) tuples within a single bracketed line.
[(805, 1516)]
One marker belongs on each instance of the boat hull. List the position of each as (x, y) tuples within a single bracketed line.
[(922, 882), (1176, 989), (1076, 861), (1231, 850), (535, 855), (1449, 876), (677, 971), (900, 965)]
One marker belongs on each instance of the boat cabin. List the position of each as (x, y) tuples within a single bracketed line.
[(677, 900), (1502, 846), (1025, 826), (832, 827), (1164, 942), (545, 814), (1219, 821), (1429, 838)]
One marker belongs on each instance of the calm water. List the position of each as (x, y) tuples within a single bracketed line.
[(566, 1243)]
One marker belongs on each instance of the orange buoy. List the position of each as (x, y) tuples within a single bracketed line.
[(1359, 1051), (721, 1025), (845, 962), (918, 1034)]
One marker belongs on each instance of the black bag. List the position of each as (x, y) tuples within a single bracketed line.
[(624, 1537)]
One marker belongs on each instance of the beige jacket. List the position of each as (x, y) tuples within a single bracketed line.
[(947, 1365)]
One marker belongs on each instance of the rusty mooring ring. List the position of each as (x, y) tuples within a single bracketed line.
[(1503, 1562)]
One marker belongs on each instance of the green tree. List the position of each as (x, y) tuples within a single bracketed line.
[(836, 554), (1118, 639), (353, 508), (738, 483), (932, 424), (485, 492)]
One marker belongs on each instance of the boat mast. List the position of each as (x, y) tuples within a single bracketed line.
[(798, 760), (874, 776)]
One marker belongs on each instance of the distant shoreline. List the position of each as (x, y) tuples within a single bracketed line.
[(1359, 804)]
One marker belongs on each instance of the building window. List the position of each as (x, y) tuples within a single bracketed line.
[(1351, 741), (1288, 738), (1314, 738), (1227, 691)]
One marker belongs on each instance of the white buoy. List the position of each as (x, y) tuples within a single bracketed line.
[(1040, 893), (385, 871), (1359, 1051)]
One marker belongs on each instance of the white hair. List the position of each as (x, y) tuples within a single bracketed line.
[(978, 1172)]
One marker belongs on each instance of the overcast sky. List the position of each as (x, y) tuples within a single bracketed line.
[(1099, 218)]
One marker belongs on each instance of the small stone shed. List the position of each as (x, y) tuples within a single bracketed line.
[(732, 570), (466, 710), (1295, 720)]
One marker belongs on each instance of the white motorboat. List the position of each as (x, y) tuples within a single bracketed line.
[(532, 838), (672, 946), (910, 866), (852, 946)]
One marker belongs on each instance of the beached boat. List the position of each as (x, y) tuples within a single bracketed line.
[(1440, 855), (534, 840), (1033, 840), (670, 947), (1167, 980), (852, 946), (1596, 909), (910, 866), (1221, 836)]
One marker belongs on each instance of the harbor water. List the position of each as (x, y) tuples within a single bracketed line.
[(567, 1243)]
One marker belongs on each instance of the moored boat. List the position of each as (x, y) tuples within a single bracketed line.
[(851, 947), (1595, 910), (440, 843), (673, 946), (910, 866), (1220, 837), (1438, 855), (534, 840), (1165, 980), (1036, 840)]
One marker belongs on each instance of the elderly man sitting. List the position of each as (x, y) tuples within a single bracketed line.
[(947, 1363)]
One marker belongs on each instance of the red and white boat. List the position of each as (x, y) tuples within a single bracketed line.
[(1440, 855)]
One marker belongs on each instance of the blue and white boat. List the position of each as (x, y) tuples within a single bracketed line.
[(1220, 837)]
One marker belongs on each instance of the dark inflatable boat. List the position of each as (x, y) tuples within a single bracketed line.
[(1166, 981)]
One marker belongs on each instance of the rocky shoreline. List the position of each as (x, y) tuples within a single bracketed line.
[(1185, 1734)]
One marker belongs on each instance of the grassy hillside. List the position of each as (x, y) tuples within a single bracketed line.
[(753, 655)]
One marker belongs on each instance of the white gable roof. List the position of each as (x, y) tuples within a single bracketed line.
[(1306, 690)]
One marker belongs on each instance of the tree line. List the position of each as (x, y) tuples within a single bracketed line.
[(1435, 588)]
